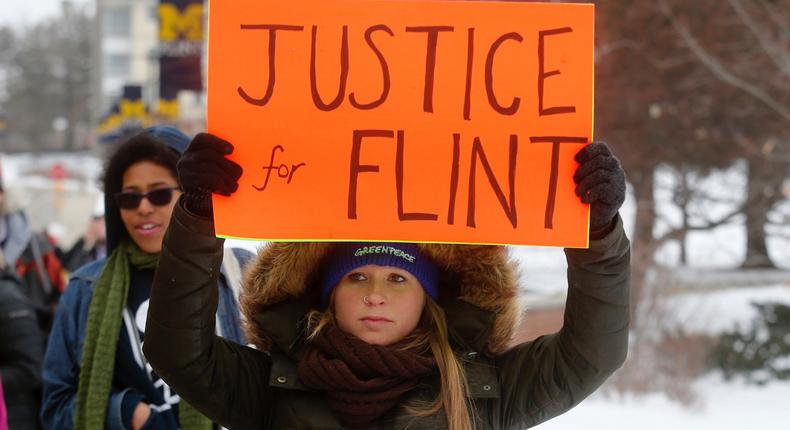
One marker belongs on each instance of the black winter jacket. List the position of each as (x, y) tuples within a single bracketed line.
[(21, 352)]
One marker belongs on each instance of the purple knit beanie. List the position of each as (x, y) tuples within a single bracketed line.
[(346, 257)]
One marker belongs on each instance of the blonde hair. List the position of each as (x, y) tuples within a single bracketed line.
[(431, 334)]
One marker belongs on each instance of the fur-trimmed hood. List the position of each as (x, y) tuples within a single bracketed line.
[(483, 276)]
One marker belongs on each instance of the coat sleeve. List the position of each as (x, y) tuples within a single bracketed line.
[(225, 381), (550, 375), (61, 361), (21, 348)]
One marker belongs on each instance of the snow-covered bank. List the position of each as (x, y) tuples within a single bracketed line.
[(721, 311), (722, 405)]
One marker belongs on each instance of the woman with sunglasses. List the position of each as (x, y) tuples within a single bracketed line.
[(95, 375), (384, 335)]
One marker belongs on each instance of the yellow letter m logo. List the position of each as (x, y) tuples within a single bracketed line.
[(173, 24)]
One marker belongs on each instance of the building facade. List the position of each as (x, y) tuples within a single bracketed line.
[(133, 36), (128, 49)]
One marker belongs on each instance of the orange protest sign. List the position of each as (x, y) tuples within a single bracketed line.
[(429, 121)]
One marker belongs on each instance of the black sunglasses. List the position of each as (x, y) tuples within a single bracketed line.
[(132, 199)]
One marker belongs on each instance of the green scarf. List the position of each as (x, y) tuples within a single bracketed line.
[(101, 341)]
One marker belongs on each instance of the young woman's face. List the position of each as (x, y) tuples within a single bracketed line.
[(378, 304), (147, 223)]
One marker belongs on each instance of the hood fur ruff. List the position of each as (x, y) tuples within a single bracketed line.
[(482, 275)]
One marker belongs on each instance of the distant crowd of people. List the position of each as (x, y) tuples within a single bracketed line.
[(33, 276)]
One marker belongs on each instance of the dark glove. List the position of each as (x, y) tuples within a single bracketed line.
[(203, 170), (600, 181)]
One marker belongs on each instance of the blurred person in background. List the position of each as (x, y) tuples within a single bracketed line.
[(91, 246), (31, 256), (95, 374), (21, 352)]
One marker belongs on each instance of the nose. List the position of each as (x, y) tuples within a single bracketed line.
[(375, 295), (145, 208)]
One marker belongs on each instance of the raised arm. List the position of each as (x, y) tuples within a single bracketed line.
[(546, 377), (225, 381)]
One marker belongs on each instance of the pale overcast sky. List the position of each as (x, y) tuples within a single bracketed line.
[(22, 12)]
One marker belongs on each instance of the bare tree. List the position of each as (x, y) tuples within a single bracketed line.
[(47, 74), (653, 105), (695, 85), (745, 46)]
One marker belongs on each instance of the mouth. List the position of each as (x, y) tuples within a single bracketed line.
[(375, 319), (147, 229)]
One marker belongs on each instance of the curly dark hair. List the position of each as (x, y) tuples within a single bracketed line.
[(140, 147)]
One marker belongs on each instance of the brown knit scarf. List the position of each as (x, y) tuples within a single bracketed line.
[(361, 381)]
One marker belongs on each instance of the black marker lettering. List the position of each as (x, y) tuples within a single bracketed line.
[(341, 91), (509, 205), (272, 51), (470, 57), (356, 168), (454, 178), (402, 215), (553, 174), (513, 108), (430, 61), (542, 74), (385, 71)]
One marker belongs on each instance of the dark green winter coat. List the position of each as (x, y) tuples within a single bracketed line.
[(511, 387)]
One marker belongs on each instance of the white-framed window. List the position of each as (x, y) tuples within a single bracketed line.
[(118, 21), (117, 64)]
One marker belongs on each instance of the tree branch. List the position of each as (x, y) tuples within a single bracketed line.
[(677, 233), (602, 51), (718, 69), (775, 52), (753, 150), (775, 15)]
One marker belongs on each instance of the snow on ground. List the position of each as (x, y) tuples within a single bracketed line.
[(720, 311), (723, 405)]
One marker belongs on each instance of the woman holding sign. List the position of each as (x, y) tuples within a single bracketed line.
[(383, 335)]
